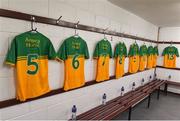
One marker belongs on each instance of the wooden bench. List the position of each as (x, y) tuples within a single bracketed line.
[(173, 83), (122, 103)]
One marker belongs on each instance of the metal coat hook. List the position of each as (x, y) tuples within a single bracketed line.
[(171, 43), (58, 20), (104, 32), (76, 26), (112, 35), (33, 19), (135, 39)]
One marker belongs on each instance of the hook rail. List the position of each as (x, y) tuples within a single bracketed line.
[(51, 21)]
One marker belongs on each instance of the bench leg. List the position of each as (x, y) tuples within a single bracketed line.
[(149, 100), (130, 111), (158, 93), (166, 88)]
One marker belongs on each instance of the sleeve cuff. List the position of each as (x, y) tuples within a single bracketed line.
[(58, 59), (10, 63)]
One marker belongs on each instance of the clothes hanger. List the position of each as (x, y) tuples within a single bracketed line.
[(33, 30), (135, 42), (105, 34), (171, 44), (120, 39), (135, 39), (112, 35), (75, 30)]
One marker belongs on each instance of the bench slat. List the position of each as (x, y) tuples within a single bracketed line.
[(121, 103)]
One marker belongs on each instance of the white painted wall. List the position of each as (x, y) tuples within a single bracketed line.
[(169, 34), (99, 13)]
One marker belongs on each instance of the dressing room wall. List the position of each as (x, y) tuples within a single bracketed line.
[(169, 34), (98, 13)]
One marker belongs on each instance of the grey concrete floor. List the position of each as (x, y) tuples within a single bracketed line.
[(166, 108)]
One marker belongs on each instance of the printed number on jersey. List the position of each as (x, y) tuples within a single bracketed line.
[(75, 62), (31, 62)]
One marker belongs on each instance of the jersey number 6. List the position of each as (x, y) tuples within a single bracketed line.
[(75, 62)]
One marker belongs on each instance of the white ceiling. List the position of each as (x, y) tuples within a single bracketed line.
[(162, 13)]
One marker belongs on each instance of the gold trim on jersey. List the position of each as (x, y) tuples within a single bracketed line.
[(10, 63), (58, 59), (71, 56), (25, 57)]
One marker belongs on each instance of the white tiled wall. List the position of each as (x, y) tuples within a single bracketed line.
[(99, 13), (169, 34)]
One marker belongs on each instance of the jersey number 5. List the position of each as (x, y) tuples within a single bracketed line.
[(32, 57)]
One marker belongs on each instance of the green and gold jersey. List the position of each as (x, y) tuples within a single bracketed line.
[(73, 52), (29, 53), (150, 57), (170, 54), (156, 53), (120, 54), (102, 53), (133, 58), (143, 57)]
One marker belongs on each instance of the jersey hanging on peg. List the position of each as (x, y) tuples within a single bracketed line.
[(133, 58), (120, 54), (29, 54), (155, 56), (73, 53), (103, 53), (150, 57), (170, 54), (143, 57)]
